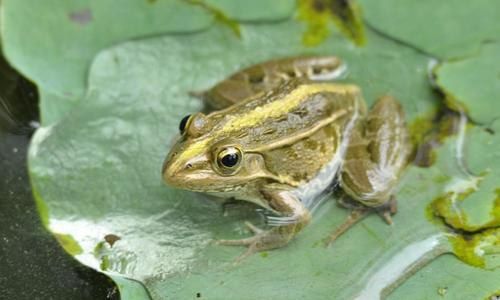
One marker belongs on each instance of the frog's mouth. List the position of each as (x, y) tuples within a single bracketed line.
[(197, 181), (200, 182)]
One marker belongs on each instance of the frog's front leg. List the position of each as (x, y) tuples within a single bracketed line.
[(378, 152), (294, 217)]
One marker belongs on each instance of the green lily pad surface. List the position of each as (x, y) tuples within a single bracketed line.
[(97, 175), (473, 84), (256, 10), (444, 29), (472, 201), (53, 43)]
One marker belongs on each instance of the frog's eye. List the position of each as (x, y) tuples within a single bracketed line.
[(229, 159), (184, 123)]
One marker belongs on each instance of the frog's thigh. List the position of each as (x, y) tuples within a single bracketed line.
[(377, 155)]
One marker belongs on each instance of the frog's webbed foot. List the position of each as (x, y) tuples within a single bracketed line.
[(358, 212), (262, 240)]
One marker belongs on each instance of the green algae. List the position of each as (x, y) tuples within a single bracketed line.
[(479, 250), (494, 296), (428, 132), (43, 210), (449, 207), (318, 14), (219, 16), (69, 243)]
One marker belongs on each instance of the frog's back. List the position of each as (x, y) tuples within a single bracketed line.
[(297, 128)]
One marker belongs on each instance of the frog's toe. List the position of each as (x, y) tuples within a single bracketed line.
[(250, 250), (253, 243), (387, 210), (352, 219), (258, 233), (386, 216), (238, 242), (253, 228)]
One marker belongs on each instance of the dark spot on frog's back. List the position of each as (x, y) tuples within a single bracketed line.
[(311, 144), (291, 74), (318, 70), (256, 79)]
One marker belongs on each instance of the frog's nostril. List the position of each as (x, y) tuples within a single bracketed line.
[(189, 166)]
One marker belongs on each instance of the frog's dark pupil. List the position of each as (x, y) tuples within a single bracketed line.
[(182, 125), (230, 160)]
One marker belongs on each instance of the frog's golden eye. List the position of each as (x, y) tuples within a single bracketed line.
[(229, 159), (184, 123)]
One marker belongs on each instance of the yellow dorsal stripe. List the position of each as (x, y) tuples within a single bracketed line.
[(277, 108), (274, 109)]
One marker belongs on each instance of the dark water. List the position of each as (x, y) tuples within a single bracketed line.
[(32, 264)]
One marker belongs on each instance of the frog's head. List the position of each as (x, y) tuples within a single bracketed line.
[(206, 158)]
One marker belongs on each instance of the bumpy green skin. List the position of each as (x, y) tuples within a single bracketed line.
[(289, 130)]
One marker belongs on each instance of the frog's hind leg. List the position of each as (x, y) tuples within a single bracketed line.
[(357, 213), (377, 154), (267, 76), (375, 158)]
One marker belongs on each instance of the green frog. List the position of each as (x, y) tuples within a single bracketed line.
[(281, 135)]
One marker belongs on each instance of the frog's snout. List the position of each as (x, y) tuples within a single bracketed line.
[(170, 171), (167, 169), (176, 171)]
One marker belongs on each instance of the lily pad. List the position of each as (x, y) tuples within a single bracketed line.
[(471, 202), (472, 84), (98, 174), (444, 29), (68, 35), (53, 43), (256, 10)]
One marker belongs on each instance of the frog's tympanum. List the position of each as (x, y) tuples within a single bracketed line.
[(281, 136)]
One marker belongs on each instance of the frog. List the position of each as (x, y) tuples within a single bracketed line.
[(281, 134)]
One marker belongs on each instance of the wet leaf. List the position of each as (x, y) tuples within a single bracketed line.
[(471, 202), (53, 43), (98, 173), (444, 29), (256, 10), (57, 51), (472, 84)]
